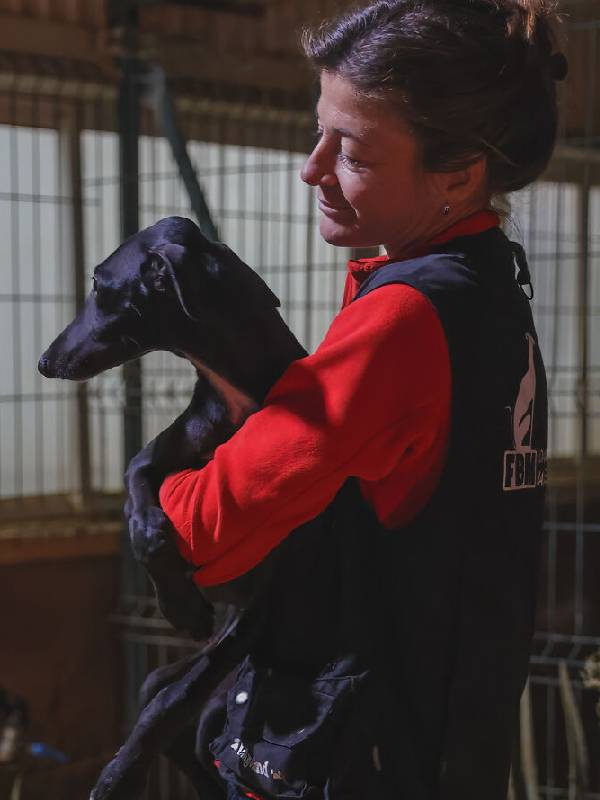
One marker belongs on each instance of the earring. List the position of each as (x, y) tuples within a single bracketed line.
[(446, 210)]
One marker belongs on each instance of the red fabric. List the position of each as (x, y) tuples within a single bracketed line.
[(363, 404), (373, 401)]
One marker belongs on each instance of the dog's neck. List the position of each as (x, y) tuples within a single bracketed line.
[(249, 363), (239, 404)]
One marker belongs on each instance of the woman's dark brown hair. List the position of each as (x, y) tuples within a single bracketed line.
[(471, 77)]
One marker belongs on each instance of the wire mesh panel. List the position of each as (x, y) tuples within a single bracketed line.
[(547, 218), (100, 188), (37, 298), (558, 221)]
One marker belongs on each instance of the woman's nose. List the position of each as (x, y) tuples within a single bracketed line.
[(318, 169)]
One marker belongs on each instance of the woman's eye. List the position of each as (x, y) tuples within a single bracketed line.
[(349, 162)]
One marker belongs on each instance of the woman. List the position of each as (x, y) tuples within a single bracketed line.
[(429, 388)]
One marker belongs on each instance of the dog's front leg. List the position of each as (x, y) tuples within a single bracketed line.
[(188, 442), (153, 544)]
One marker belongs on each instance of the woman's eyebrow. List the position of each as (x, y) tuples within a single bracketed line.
[(344, 132), (349, 134)]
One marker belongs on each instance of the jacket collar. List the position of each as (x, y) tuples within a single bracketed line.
[(469, 226)]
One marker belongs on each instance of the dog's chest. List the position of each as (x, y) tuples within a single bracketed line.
[(239, 405)]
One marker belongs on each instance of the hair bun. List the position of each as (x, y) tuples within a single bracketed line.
[(559, 66)]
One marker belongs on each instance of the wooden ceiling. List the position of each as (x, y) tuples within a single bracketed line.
[(247, 42), (245, 48)]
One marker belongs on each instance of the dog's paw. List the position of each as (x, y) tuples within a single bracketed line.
[(181, 603), (149, 532)]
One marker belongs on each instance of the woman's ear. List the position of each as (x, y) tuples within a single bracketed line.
[(467, 184)]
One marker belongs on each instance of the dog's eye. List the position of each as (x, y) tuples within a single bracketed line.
[(155, 262)]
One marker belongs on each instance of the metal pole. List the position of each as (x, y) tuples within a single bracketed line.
[(165, 114), (128, 110), (124, 16), (583, 288), (71, 139)]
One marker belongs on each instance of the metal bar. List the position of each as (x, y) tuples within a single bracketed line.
[(242, 167), (512, 794), (95, 191), (70, 136), (128, 109), (576, 745), (528, 756), (287, 237), (261, 190), (159, 98), (550, 734), (308, 277), (62, 311), (583, 289), (38, 421)]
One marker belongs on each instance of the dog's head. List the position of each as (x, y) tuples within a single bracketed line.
[(164, 285)]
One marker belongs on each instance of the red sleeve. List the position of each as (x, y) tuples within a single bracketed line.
[(370, 393)]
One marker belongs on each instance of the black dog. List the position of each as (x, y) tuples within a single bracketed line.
[(169, 288)]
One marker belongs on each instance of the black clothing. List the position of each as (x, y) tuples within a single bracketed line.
[(406, 684)]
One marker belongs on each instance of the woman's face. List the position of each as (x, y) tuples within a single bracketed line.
[(371, 187)]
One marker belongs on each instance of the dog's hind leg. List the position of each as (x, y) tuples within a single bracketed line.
[(190, 751), (173, 709)]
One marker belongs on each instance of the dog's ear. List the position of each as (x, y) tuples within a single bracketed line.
[(255, 293), (161, 270), (214, 273)]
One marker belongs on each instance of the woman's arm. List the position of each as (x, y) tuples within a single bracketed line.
[(376, 389)]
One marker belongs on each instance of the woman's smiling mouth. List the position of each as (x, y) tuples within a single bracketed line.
[(331, 210)]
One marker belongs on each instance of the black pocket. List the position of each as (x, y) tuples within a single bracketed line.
[(282, 729)]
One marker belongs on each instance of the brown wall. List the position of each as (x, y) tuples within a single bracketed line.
[(59, 650)]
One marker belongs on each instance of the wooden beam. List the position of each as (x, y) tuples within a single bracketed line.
[(29, 37), (59, 509), (49, 39), (568, 165), (186, 60), (60, 548)]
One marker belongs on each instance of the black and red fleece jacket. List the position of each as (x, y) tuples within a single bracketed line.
[(373, 401)]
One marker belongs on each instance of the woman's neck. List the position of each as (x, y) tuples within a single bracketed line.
[(449, 228)]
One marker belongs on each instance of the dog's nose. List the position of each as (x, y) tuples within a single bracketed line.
[(43, 366)]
